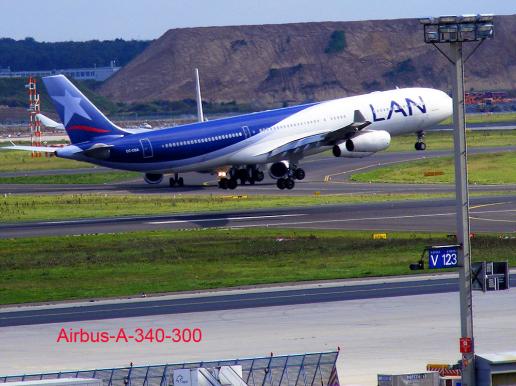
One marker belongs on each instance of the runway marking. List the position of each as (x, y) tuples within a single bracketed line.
[(379, 164), (363, 219), (492, 204), (493, 219), (266, 297), (225, 218)]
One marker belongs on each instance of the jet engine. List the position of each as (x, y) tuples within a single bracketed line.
[(341, 151), (279, 169), (371, 141), (152, 178)]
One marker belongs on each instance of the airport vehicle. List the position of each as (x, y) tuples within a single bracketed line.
[(241, 148)]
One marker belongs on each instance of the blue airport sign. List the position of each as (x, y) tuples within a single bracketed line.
[(443, 257)]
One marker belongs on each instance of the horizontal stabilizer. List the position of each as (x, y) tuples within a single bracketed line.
[(47, 122), (43, 149)]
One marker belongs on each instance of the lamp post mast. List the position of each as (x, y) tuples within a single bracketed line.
[(462, 209)]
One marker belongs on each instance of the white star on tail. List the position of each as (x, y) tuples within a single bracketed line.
[(71, 106)]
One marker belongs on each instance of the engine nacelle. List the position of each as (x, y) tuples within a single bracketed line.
[(341, 151), (371, 141), (279, 169), (152, 178)]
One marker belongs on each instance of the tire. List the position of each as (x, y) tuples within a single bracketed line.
[(289, 183), (172, 182), (232, 184), (299, 174), (418, 145), (180, 182), (223, 183), (281, 183), (422, 146), (259, 176)]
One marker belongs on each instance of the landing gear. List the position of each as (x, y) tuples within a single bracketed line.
[(285, 183), (228, 183), (176, 181), (420, 144), (249, 174), (286, 174)]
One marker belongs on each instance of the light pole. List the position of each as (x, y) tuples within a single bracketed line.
[(455, 30)]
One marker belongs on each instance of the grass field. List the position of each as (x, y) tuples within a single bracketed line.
[(54, 207), (19, 161), (443, 140), (81, 178), (22, 161), (495, 168), (57, 268), (486, 118)]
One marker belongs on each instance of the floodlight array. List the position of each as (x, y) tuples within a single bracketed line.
[(465, 28)]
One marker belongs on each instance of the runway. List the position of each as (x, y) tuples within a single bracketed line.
[(265, 297), (488, 214), (380, 334), (325, 174)]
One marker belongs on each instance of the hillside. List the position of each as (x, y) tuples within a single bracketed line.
[(272, 65)]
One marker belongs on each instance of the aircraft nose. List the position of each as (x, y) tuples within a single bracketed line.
[(445, 105)]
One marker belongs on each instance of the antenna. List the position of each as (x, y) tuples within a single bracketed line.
[(200, 116)]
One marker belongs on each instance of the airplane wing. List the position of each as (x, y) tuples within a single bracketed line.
[(305, 144), (43, 149), (359, 123)]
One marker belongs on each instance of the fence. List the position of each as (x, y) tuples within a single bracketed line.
[(285, 370)]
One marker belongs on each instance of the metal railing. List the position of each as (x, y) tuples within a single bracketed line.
[(284, 370)]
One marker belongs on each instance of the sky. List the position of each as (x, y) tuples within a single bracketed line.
[(61, 20)]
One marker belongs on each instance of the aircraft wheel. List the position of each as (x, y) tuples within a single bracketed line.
[(172, 182), (259, 176), (281, 183), (289, 183), (223, 183), (232, 184), (422, 146), (299, 174), (180, 182)]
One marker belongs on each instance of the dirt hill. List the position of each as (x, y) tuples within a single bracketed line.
[(271, 65)]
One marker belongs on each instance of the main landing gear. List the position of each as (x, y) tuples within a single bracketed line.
[(249, 174), (176, 181), (288, 181), (420, 144)]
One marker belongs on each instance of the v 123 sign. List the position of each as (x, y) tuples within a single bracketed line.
[(443, 257)]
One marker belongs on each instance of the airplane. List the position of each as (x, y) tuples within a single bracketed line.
[(244, 147)]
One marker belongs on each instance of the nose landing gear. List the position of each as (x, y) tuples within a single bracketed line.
[(420, 144)]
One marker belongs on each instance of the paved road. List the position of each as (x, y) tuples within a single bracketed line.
[(488, 214), (325, 174), (265, 298)]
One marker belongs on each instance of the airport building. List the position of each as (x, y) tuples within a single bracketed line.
[(98, 74)]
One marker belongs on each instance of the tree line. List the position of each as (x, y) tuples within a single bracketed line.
[(29, 54)]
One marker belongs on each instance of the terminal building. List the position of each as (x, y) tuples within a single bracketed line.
[(98, 74)]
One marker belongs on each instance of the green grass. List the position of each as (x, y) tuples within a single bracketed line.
[(54, 207), (14, 208), (82, 267), (443, 140), (22, 161), (486, 118), (495, 168), (82, 178)]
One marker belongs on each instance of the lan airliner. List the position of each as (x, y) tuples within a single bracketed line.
[(242, 148)]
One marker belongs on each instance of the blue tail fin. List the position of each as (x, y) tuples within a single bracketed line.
[(82, 120)]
